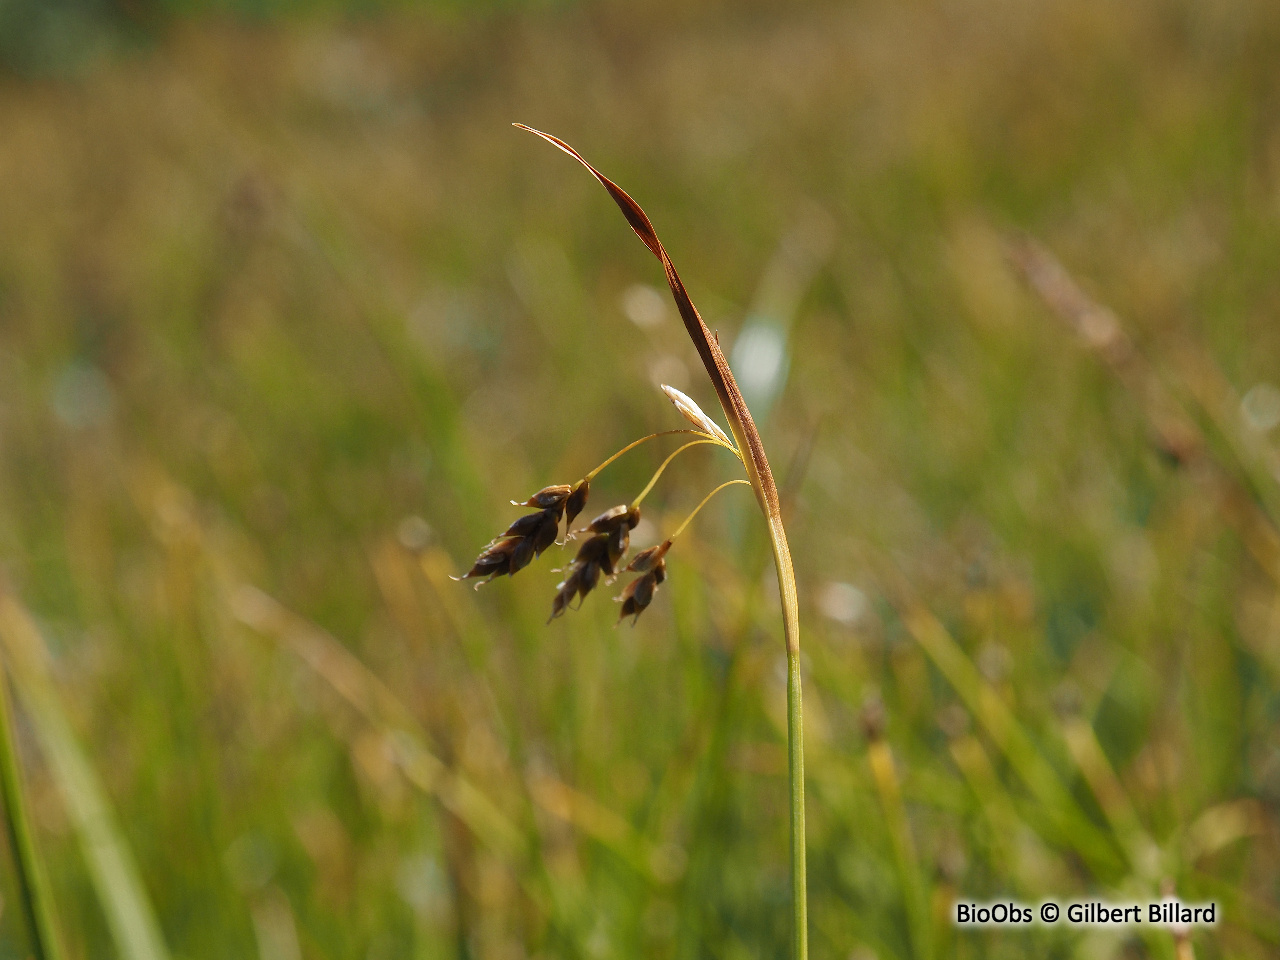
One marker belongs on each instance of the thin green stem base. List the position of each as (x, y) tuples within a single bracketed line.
[(795, 763)]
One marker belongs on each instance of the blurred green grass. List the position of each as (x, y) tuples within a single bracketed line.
[(288, 307)]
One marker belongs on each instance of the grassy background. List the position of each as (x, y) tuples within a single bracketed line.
[(288, 312)]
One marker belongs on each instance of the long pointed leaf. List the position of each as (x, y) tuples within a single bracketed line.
[(114, 872)]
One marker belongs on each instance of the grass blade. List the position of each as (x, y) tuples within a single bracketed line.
[(914, 891), (114, 872), (1071, 827), (36, 900)]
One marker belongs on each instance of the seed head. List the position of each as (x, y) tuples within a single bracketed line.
[(615, 518), (494, 560), (598, 554), (651, 564), (618, 543), (528, 536), (547, 497), (639, 592), (646, 560), (531, 523), (615, 525), (576, 500)]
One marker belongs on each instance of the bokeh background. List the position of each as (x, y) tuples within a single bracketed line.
[(289, 312)]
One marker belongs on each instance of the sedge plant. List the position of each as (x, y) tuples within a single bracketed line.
[(607, 537)]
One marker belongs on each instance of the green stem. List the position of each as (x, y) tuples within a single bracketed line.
[(795, 764), (37, 904), (771, 506)]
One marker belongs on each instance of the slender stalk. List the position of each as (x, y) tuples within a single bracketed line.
[(37, 903), (706, 438), (751, 450), (795, 769), (658, 473), (689, 519)]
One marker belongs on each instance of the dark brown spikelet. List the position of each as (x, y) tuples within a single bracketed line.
[(494, 560), (527, 525), (646, 560), (526, 538), (547, 497), (594, 551), (615, 525), (566, 590), (588, 577), (618, 528), (615, 518), (576, 501), (584, 573), (651, 564), (618, 543), (639, 592), (545, 535), (521, 555)]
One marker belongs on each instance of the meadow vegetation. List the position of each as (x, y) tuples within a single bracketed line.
[(288, 313)]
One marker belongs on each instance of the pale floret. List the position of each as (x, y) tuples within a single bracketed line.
[(693, 413)]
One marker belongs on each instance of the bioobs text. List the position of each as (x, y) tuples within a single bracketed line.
[(967, 913)]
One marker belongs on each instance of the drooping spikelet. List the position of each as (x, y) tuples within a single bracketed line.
[(616, 524), (652, 567), (574, 503), (646, 560), (531, 534), (598, 554), (553, 496)]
